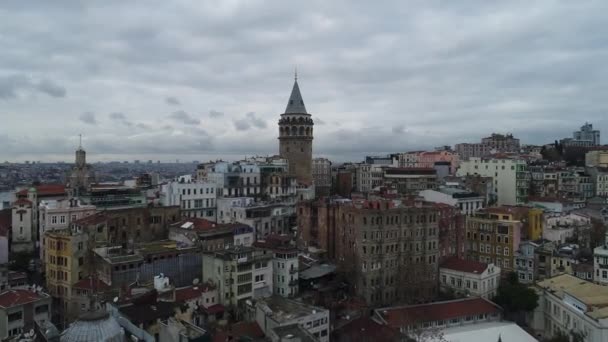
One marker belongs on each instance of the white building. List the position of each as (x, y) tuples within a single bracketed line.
[(468, 202), (599, 177), (469, 277), (488, 332), (559, 227), (236, 179), (369, 176), (24, 225), (510, 177), (438, 316), (596, 159), (265, 217), (321, 174), (196, 199), (59, 214), (525, 262), (277, 311), (21, 309), (285, 264), (600, 263), (240, 274), (567, 303)]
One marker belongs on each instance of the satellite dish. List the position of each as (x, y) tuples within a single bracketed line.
[(115, 300), (195, 281)]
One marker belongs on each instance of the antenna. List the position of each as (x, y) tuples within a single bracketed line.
[(79, 140), (296, 74)]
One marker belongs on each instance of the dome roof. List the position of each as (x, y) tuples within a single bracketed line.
[(94, 326)]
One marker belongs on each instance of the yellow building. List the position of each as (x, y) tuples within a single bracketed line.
[(65, 264), (493, 236), (534, 226)]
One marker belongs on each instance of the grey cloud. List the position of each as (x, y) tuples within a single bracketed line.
[(121, 118), (249, 121), (172, 101), (142, 125), (11, 85), (511, 65), (185, 118), (88, 118), (50, 88), (215, 114), (399, 129), (118, 116)]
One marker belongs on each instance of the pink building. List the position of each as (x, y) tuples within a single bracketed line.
[(424, 159)]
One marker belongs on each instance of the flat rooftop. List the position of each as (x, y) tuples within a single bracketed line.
[(594, 296), (283, 310), (489, 331)]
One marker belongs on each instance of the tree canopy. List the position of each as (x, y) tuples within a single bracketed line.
[(515, 297)]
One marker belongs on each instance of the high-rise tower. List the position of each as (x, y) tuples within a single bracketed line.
[(295, 136)]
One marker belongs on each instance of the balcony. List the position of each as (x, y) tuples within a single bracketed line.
[(293, 282), (293, 270)]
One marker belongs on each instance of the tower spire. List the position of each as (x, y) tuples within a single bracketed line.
[(295, 105), (296, 74)]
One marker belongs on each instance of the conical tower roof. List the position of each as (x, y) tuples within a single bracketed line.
[(296, 103)]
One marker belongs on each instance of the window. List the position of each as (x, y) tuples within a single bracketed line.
[(16, 316)]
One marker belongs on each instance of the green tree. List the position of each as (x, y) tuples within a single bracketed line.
[(515, 298)]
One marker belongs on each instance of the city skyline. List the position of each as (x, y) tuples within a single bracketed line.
[(210, 81)]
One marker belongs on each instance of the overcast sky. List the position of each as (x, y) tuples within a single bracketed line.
[(208, 79)]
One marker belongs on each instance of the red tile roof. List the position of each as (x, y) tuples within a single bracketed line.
[(22, 201), (364, 329), (96, 218), (462, 265), (191, 292), (46, 190), (90, 284), (241, 329), (12, 298), (403, 316), (213, 309)]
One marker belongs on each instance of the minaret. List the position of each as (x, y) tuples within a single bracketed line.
[(295, 136), (81, 155)]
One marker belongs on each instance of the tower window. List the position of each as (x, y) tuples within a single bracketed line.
[(302, 149), (290, 102)]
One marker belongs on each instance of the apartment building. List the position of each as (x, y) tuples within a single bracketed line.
[(321, 175), (493, 236), (285, 264), (469, 277), (567, 303), (195, 198), (240, 274), (265, 217), (411, 319), (66, 262), (390, 249), (510, 176), (21, 310), (276, 311), (466, 201), (410, 181), (59, 215), (117, 266)]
